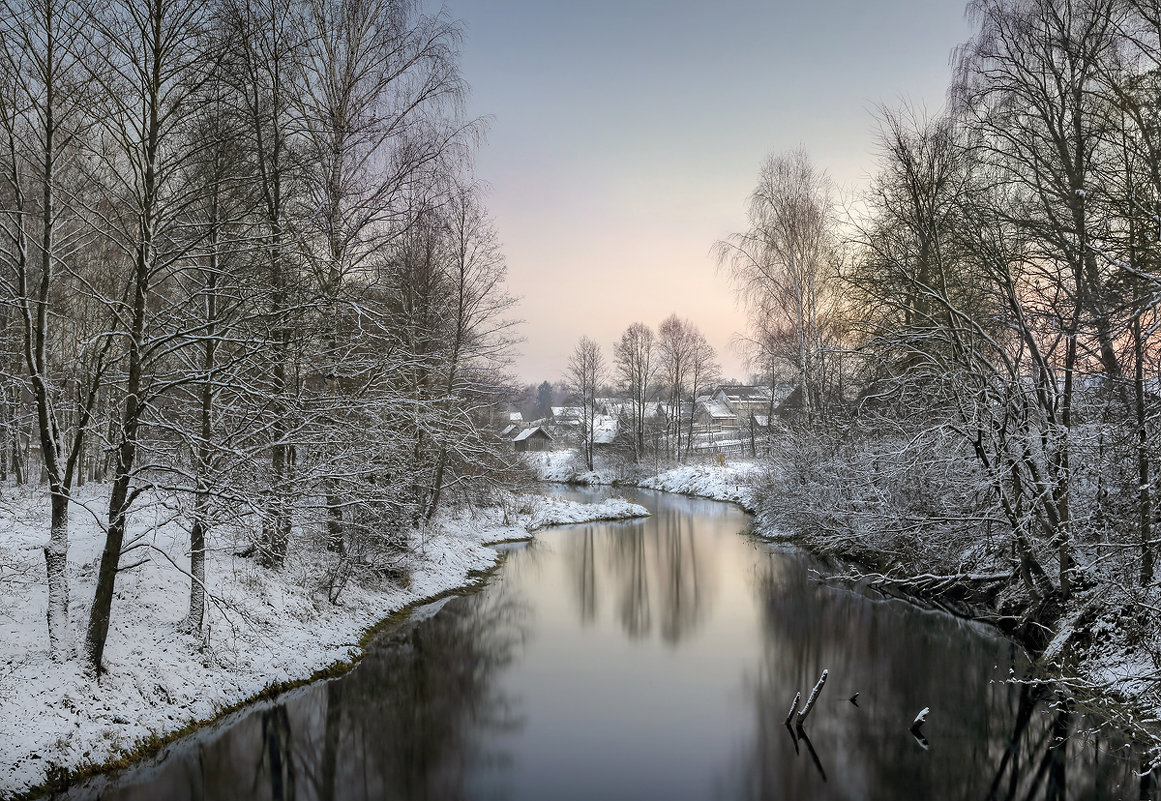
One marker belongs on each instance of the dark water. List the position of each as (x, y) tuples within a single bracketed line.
[(656, 660)]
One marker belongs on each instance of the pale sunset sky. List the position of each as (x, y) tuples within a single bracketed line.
[(626, 136)]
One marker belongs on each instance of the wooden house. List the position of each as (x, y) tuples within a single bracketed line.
[(532, 439)]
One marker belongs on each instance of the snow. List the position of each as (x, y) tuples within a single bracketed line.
[(556, 466), (921, 718), (558, 512), (733, 482), (605, 429), (263, 627), (720, 480), (717, 410), (528, 432)]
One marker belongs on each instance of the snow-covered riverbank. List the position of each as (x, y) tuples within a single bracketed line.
[(263, 627), (732, 480)]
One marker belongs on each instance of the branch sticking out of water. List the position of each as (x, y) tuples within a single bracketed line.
[(793, 706), (801, 718)]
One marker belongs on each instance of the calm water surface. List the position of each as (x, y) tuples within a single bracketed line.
[(656, 659)]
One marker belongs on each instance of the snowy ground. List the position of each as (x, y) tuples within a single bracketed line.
[(263, 626), (559, 512), (726, 480), (733, 481)]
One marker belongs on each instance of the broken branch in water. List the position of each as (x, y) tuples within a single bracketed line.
[(793, 706), (928, 582), (813, 697)]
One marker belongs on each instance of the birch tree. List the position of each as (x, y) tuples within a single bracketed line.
[(586, 371), (635, 363), (783, 265), (45, 122), (151, 60)]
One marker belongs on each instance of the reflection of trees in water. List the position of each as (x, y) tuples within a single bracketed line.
[(633, 571), (655, 568), (989, 739), (409, 722), (682, 605), (276, 761), (584, 575), (414, 712)]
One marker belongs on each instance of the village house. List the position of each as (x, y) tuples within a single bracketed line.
[(713, 415), (532, 439)]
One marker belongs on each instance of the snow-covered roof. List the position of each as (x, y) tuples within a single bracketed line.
[(717, 409), (744, 392), (528, 432), (515, 417), (565, 413), (509, 431), (604, 429)]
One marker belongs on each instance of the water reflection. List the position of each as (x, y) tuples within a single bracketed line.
[(413, 721), (661, 582), (986, 737), (583, 569), (657, 659)]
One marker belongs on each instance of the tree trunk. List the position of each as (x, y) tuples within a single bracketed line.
[(335, 539), (60, 640), (437, 483), (1144, 499), (98, 629), (197, 566)]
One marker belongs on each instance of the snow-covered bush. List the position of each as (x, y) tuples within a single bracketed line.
[(912, 502)]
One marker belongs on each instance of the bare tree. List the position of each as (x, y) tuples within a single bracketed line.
[(586, 371), (45, 121), (265, 67), (378, 79), (702, 372), (675, 354), (783, 265), (633, 358), (152, 61)]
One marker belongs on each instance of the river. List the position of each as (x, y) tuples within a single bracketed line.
[(656, 659)]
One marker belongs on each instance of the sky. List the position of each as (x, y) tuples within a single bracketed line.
[(624, 137)]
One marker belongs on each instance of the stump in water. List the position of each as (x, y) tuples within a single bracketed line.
[(801, 717), (793, 706)]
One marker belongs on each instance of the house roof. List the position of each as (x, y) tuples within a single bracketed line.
[(604, 429), (528, 432), (745, 392), (509, 431), (515, 417), (565, 413), (717, 410)]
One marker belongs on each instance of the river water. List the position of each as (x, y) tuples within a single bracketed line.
[(657, 659)]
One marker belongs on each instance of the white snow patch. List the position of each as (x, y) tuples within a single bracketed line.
[(262, 627), (560, 512), (732, 482)]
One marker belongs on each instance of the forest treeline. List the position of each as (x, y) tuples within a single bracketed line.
[(975, 339), (245, 273)]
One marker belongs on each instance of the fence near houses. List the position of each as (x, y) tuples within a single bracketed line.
[(725, 447)]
